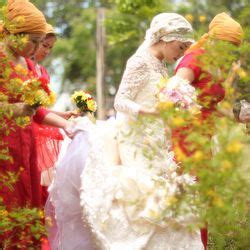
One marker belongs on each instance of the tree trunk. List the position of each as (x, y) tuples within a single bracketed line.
[(100, 63)]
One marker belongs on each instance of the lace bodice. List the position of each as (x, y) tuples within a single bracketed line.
[(139, 83)]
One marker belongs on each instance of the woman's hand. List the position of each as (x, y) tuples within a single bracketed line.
[(22, 109), (68, 129), (68, 114), (148, 111)]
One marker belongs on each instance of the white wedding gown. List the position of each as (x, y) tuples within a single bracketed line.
[(121, 205)]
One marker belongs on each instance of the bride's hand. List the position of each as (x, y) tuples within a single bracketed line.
[(68, 129), (70, 114), (72, 127), (149, 111)]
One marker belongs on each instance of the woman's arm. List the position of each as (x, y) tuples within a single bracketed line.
[(66, 114), (46, 117), (55, 120), (134, 78), (189, 67), (185, 73)]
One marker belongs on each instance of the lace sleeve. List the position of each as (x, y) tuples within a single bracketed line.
[(134, 78)]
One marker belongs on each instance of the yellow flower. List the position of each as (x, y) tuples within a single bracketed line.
[(189, 17), (165, 105), (234, 147), (217, 201), (225, 165), (162, 83), (33, 94), (177, 121), (198, 155), (196, 121), (180, 156), (19, 69), (52, 98), (28, 99), (40, 96), (4, 213), (16, 82), (230, 91), (242, 73), (84, 101), (24, 40), (3, 97), (78, 94), (202, 19), (41, 214), (211, 193), (171, 200), (226, 105), (22, 121), (91, 105)]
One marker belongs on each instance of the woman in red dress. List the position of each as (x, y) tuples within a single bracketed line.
[(27, 190), (48, 135), (25, 23), (210, 92)]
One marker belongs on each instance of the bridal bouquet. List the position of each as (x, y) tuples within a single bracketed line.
[(178, 92), (84, 102), (36, 92), (177, 101)]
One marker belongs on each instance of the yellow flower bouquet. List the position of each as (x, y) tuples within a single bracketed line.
[(84, 102), (37, 92)]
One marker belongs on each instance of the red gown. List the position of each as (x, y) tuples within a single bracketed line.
[(210, 93)]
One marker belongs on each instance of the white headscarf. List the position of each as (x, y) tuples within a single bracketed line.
[(167, 27)]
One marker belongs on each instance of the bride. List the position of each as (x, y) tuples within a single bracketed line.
[(103, 201)]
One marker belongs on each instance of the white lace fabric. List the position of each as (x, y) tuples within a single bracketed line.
[(139, 83)]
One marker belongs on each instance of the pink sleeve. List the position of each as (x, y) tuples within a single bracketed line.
[(40, 115), (190, 61)]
